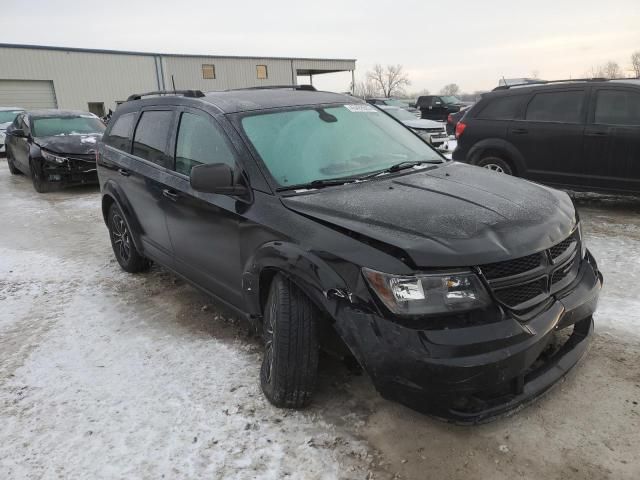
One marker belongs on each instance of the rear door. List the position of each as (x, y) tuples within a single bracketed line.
[(612, 139), (549, 136), (204, 227), (144, 174)]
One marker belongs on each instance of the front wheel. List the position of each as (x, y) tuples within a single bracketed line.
[(12, 166), (39, 183), (290, 364), (495, 164), (123, 248)]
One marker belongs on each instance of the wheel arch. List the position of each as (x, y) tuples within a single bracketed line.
[(113, 194), (309, 272), (500, 148)]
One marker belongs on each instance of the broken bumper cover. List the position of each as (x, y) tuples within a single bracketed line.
[(473, 374), (72, 172)]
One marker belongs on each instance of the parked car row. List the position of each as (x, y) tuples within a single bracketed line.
[(54, 147), (576, 134)]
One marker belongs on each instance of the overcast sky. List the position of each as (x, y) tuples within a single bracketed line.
[(471, 43)]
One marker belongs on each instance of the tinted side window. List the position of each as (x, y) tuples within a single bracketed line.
[(199, 141), (617, 107), (556, 107), (120, 134), (152, 135), (502, 108)]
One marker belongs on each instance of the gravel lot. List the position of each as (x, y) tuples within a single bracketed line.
[(110, 375)]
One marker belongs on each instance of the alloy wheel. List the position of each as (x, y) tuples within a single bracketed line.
[(121, 237), (494, 167), (269, 334)]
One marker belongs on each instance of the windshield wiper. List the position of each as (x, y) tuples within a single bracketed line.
[(330, 182), (396, 167)]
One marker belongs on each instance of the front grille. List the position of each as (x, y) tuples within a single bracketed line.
[(517, 283), (509, 268), (563, 246), (519, 294)]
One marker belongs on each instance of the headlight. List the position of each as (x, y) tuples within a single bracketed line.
[(50, 157), (428, 294)]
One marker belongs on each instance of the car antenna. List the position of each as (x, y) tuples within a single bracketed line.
[(173, 82)]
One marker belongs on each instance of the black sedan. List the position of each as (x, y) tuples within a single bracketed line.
[(54, 147)]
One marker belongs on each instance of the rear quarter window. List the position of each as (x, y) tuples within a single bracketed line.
[(152, 135), (501, 108), (120, 134), (564, 107)]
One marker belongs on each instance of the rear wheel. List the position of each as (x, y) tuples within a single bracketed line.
[(12, 166), (290, 364), (496, 164), (39, 183), (122, 243)]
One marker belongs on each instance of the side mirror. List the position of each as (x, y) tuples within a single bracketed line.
[(215, 178)]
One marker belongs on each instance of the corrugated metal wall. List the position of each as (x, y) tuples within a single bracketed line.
[(80, 77)]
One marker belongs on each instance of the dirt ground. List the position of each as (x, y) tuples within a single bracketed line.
[(110, 375)]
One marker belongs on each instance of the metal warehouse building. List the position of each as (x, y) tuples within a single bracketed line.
[(98, 80)]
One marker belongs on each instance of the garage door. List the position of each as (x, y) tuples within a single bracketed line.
[(29, 94)]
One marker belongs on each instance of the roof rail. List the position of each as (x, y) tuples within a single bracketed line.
[(309, 88), (546, 82), (184, 93)]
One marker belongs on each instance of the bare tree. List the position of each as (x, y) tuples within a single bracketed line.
[(390, 80), (607, 70), (366, 89), (451, 89), (635, 63)]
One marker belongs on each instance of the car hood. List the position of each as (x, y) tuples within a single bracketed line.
[(449, 216), (423, 124), (75, 144), (3, 126)]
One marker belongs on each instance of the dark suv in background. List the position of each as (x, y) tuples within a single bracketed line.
[(578, 134), (438, 107), (316, 215)]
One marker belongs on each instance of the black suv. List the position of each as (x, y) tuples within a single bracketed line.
[(55, 147), (313, 213), (579, 134), (438, 107)]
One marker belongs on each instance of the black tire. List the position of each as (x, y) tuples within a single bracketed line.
[(123, 248), (39, 183), (12, 166), (290, 364), (496, 164)]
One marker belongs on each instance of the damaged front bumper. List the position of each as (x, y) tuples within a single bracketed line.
[(74, 171), (477, 370)]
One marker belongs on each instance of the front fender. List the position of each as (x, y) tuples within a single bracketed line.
[(312, 274), (113, 193)]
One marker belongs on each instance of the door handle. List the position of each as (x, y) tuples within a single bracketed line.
[(597, 134), (123, 172), (170, 194), (519, 131)]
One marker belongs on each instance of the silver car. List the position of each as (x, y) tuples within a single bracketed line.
[(7, 115), (433, 132)]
